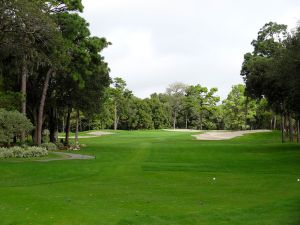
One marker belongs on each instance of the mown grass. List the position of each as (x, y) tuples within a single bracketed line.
[(158, 178)]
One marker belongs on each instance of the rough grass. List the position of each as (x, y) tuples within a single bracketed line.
[(158, 178)]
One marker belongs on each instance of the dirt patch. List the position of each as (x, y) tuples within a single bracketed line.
[(225, 135)]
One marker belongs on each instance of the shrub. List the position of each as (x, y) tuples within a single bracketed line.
[(18, 152), (6, 153), (45, 136), (12, 124), (49, 146), (74, 147), (35, 152)]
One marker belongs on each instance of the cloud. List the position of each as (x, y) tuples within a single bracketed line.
[(157, 42)]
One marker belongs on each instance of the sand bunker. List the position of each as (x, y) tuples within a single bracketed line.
[(224, 135), (92, 134), (183, 130)]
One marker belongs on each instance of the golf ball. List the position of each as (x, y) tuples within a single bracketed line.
[(298, 180), (214, 178)]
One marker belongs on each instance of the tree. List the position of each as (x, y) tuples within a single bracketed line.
[(201, 102), (160, 112), (119, 96), (238, 109), (270, 71), (176, 92)]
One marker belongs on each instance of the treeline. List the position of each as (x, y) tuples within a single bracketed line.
[(50, 65), (272, 71), (181, 106)]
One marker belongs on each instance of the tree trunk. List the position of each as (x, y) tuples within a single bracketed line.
[(174, 120), (68, 125), (274, 123), (63, 125), (286, 126), (24, 92), (42, 106), (291, 128), (77, 126), (53, 126), (115, 119), (201, 119), (186, 122), (271, 124), (282, 127), (298, 130), (24, 85)]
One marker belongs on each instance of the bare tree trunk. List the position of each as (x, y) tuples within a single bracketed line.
[(80, 124), (246, 112), (42, 106), (24, 85), (291, 128), (274, 123), (68, 125), (115, 119), (298, 131), (174, 120), (186, 122), (286, 126), (77, 126), (201, 121), (271, 124), (282, 127), (53, 125), (63, 125), (24, 92)]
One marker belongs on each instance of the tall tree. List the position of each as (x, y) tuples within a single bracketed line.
[(201, 101), (176, 92)]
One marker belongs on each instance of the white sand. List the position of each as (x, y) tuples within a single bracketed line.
[(92, 134), (183, 130), (224, 135)]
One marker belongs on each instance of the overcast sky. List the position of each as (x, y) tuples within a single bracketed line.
[(158, 42)]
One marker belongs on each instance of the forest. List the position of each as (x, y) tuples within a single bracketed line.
[(54, 78)]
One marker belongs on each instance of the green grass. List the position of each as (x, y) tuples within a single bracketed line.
[(158, 178)]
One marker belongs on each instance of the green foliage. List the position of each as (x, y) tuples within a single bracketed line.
[(12, 124), (10, 100), (200, 104), (238, 109), (49, 146), (270, 71), (160, 112), (18, 152)]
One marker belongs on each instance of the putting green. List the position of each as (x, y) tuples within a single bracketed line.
[(158, 178)]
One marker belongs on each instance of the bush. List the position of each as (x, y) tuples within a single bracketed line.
[(12, 124), (6, 153), (45, 136), (74, 147), (18, 152), (35, 152), (49, 146), (60, 145)]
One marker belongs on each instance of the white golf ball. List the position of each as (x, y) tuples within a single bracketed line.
[(214, 178), (298, 180)]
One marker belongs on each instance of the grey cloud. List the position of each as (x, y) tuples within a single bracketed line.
[(157, 42)]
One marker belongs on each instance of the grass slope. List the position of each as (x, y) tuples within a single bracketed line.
[(158, 178)]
